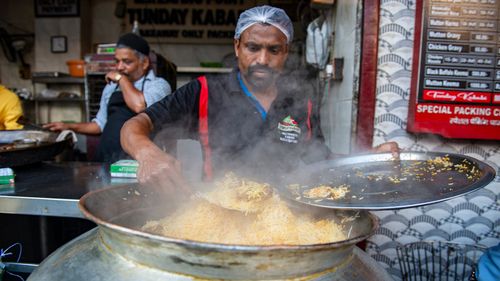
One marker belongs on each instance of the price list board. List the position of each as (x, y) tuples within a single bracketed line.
[(455, 86)]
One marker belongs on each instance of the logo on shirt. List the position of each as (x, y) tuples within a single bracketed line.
[(289, 130)]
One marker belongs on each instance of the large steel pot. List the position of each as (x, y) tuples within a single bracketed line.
[(118, 250)]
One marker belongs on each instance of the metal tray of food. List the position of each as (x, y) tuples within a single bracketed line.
[(23, 147), (379, 182)]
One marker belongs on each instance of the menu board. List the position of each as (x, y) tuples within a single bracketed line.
[(455, 88)]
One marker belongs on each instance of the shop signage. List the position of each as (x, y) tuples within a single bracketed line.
[(186, 21), (57, 8), (455, 88)]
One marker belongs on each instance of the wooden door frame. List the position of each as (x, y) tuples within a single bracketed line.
[(368, 75)]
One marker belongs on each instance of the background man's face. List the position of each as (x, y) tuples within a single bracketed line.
[(262, 51), (129, 64)]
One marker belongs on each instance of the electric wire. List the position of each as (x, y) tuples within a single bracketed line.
[(5, 253)]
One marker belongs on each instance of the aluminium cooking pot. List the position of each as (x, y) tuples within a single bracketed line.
[(118, 250)]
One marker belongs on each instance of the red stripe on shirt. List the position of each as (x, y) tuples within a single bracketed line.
[(203, 128)]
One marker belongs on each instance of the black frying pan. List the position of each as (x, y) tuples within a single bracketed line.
[(23, 147)]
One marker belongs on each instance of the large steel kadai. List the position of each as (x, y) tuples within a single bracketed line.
[(117, 250)]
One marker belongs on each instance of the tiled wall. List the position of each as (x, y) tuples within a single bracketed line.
[(469, 219)]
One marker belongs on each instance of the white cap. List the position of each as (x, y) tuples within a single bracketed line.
[(265, 14)]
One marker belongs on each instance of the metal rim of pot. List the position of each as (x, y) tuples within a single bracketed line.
[(212, 260), (102, 222)]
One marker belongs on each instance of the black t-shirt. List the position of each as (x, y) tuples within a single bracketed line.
[(239, 138)]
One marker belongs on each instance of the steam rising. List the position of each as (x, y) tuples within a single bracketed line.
[(257, 154), (266, 157), (251, 216)]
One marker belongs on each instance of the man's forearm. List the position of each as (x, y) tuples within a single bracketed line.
[(133, 97), (134, 136), (88, 128)]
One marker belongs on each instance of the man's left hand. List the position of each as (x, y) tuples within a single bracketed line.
[(390, 146)]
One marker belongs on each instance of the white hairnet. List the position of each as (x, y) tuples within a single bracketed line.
[(265, 14)]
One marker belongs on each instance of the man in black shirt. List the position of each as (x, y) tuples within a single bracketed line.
[(254, 118)]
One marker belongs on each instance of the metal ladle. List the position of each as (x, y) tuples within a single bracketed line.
[(246, 199)]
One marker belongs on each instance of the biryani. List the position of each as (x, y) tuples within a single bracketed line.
[(427, 170), (240, 194), (327, 192), (268, 221)]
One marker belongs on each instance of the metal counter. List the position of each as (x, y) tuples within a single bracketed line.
[(53, 189), (50, 189)]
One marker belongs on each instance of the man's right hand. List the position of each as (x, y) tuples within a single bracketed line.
[(56, 126), (161, 171), (157, 169)]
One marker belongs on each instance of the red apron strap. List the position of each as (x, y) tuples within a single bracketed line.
[(203, 129), (309, 113)]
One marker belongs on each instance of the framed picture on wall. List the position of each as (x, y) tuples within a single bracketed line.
[(67, 8), (58, 44)]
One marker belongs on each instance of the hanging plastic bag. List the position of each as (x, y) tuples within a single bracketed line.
[(317, 43)]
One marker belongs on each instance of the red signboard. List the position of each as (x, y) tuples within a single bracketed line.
[(455, 88), (456, 96)]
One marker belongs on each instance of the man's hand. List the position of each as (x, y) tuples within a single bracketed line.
[(134, 98), (113, 76), (391, 147), (56, 126), (88, 128), (157, 169), (161, 171)]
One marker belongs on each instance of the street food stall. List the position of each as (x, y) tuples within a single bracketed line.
[(422, 74)]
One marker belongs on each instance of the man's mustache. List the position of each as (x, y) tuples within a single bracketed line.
[(260, 68)]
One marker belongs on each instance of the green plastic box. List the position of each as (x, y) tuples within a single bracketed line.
[(6, 176), (124, 169)]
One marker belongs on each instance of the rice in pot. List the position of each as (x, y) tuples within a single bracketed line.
[(270, 222)]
